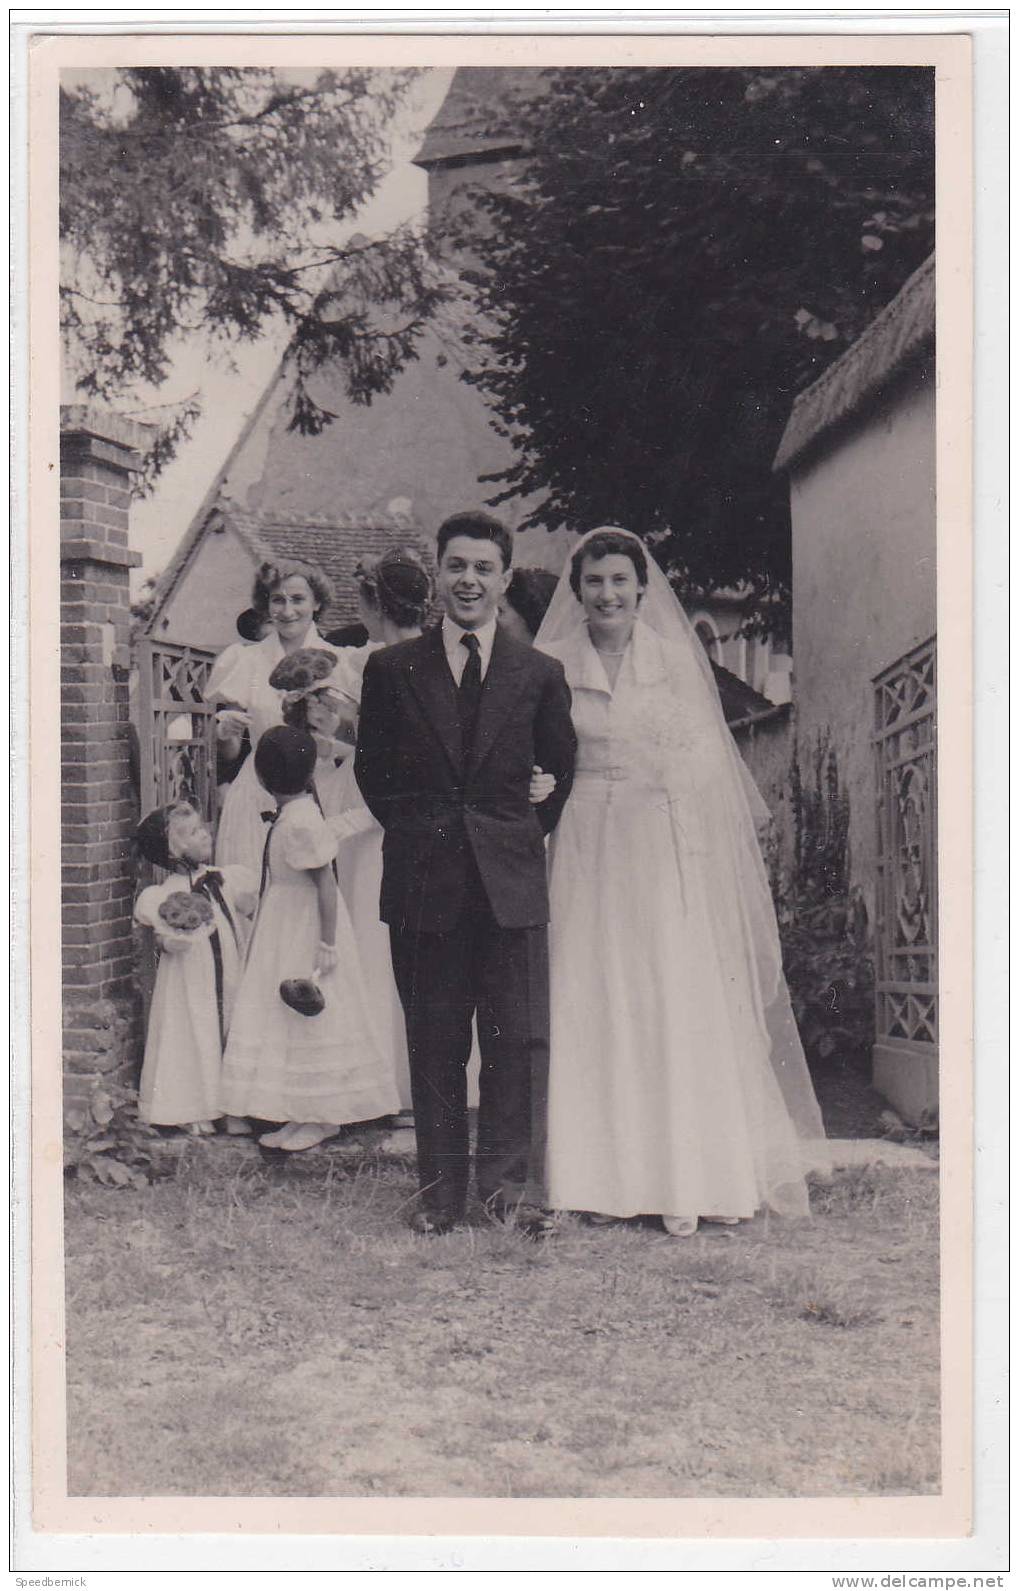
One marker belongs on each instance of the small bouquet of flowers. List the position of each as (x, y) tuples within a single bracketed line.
[(188, 919), (302, 996)]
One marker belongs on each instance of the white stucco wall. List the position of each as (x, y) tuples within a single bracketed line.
[(864, 566), (214, 589)]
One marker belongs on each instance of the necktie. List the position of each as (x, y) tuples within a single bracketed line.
[(470, 688)]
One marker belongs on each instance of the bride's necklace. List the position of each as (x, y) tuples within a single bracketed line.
[(604, 651)]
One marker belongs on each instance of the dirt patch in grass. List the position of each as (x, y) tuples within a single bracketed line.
[(246, 1329)]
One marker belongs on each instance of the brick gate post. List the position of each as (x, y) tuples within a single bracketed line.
[(98, 452)]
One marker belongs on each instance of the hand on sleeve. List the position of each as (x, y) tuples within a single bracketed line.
[(542, 785)]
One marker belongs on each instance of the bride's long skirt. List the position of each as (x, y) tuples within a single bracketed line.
[(662, 1096)]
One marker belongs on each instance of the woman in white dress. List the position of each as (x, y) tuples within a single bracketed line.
[(293, 594), (677, 1085)]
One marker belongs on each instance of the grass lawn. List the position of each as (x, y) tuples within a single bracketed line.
[(241, 1328)]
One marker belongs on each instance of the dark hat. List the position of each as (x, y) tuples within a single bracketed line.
[(285, 760), (152, 836), (303, 670)]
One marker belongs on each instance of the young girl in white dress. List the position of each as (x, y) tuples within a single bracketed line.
[(311, 1072), (199, 967)]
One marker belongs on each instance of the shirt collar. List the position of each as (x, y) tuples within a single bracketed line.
[(644, 661), (453, 634)]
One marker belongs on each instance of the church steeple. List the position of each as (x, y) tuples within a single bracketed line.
[(476, 126)]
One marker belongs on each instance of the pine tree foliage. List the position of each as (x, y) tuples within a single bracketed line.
[(208, 202)]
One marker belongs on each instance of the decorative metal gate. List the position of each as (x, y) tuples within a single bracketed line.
[(905, 1057), (176, 727)]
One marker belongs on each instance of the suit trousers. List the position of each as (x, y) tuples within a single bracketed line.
[(501, 974)]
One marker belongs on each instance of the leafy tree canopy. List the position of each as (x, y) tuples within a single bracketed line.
[(209, 201), (685, 250)]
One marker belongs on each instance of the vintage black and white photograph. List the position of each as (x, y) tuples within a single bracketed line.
[(499, 790)]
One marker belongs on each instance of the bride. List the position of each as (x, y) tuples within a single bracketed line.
[(678, 1085)]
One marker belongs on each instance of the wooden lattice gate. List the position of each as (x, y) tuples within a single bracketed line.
[(177, 745), (176, 727), (905, 741)]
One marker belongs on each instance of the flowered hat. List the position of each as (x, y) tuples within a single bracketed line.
[(303, 670)]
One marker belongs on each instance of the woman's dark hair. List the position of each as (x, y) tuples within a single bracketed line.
[(529, 594), (249, 623), (271, 575), (480, 527), (285, 760), (601, 545)]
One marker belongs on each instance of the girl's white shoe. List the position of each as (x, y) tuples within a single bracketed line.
[(680, 1225)]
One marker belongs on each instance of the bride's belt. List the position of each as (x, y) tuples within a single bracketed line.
[(616, 783)]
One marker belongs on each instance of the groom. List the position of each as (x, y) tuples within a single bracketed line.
[(451, 725)]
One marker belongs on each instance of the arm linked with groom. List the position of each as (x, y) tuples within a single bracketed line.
[(451, 725)]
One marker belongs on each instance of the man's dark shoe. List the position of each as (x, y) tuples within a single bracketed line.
[(529, 1219), (540, 1225), (427, 1224)]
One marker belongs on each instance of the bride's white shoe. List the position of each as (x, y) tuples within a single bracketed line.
[(680, 1225)]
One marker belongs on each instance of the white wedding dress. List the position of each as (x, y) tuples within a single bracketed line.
[(677, 1082)]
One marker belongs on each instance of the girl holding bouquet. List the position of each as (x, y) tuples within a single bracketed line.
[(301, 1049), (196, 915)]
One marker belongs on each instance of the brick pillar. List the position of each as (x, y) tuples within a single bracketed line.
[(98, 451)]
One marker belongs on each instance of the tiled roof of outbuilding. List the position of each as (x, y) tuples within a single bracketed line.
[(902, 332), (337, 548), (336, 545)]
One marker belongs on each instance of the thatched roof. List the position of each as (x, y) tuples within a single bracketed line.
[(900, 337)]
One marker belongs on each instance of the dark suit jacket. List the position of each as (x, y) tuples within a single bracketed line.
[(438, 811)]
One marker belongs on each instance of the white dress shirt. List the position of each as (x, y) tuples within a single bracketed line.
[(457, 654)]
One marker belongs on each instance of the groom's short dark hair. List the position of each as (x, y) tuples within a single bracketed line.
[(481, 527)]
